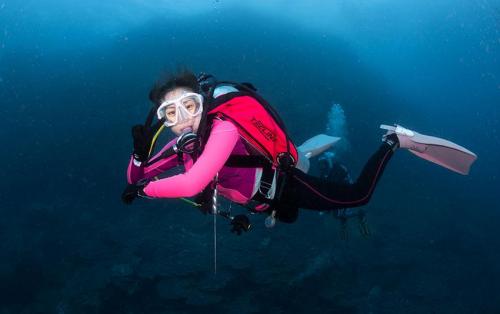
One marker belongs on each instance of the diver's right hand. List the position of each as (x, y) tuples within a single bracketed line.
[(142, 136)]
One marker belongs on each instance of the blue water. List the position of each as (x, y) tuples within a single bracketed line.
[(75, 76)]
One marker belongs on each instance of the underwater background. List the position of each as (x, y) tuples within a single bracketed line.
[(75, 75)]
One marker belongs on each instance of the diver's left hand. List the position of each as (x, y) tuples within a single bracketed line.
[(142, 136)]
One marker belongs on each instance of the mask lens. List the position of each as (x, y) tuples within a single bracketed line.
[(170, 114), (191, 104)]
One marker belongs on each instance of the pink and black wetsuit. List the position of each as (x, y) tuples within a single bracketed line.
[(242, 184), (236, 184)]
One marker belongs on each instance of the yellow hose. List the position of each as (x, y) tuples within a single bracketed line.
[(155, 138), (190, 202)]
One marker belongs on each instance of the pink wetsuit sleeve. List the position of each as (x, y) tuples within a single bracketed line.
[(138, 172), (220, 144)]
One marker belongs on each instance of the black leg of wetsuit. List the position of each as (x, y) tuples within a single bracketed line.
[(305, 191)]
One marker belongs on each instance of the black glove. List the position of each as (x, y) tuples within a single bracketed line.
[(240, 223), (205, 200), (131, 192), (142, 136)]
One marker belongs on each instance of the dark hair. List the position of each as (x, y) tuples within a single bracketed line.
[(182, 78)]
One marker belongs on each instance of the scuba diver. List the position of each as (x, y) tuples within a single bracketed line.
[(232, 143), (332, 169)]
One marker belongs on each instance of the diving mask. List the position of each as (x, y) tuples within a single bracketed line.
[(185, 107)]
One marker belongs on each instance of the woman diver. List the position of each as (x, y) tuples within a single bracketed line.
[(224, 154)]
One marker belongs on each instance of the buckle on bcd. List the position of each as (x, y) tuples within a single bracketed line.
[(267, 186), (285, 161)]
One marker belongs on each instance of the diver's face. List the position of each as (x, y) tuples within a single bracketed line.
[(191, 123)]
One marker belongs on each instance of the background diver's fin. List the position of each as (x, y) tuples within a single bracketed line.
[(313, 147), (317, 144)]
